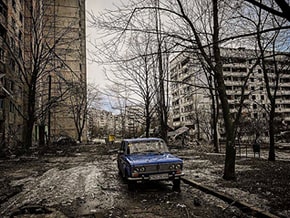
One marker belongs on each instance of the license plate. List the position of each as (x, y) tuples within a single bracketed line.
[(159, 176)]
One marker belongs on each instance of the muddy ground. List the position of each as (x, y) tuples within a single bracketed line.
[(82, 181)]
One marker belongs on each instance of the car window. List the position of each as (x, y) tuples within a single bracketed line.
[(148, 147)]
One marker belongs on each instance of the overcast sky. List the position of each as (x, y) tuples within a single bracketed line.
[(94, 71)]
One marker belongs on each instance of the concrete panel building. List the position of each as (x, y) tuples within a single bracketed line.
[(66, 23), (56, 27), (191, 102), (11, 49)]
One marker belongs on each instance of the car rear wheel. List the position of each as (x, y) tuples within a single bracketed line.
[(176, 185)]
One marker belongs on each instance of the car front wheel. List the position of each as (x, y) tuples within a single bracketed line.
[(131, 185), (176, 185)]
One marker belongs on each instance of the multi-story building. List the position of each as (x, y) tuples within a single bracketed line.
[(190, 98), (64, 29), (102, 123), (11, 49), (191, 102), (57, 29), (134, 124)]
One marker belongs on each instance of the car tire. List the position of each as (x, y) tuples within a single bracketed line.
[(120, 173), (131, 185), (176, 185)]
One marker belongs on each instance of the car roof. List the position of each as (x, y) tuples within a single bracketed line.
[(142, 139)]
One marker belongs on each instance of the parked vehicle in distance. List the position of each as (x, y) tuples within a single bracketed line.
[(148, 159), (65, 140)]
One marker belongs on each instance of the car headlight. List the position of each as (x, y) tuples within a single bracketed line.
[(172, 167), (178, 166), (175, 167), (139, 169)]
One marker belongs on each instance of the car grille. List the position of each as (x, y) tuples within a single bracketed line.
[(157, 168)]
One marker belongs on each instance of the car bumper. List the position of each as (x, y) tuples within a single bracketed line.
[(156, 177)]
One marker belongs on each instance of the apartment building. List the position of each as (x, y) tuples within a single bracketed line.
[(58, 28), (103, 123), (191, 102), (11, 48), (65, 30), (190, 98)]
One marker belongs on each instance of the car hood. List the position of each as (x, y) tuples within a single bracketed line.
[(143, 159)]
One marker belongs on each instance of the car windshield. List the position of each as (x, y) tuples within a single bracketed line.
[(148, 147)]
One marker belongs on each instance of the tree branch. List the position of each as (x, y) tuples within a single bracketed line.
[(281, 3)]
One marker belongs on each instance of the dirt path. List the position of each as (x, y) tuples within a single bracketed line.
[(83, 182)]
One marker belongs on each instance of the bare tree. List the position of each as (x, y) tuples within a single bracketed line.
[(273, 63), (283, 5), (185, 32), (118, 96), (39, 60), (182, 28), (139, 70), (81, 101)]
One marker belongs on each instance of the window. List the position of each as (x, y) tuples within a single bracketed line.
[(1, 103), (11, 107)]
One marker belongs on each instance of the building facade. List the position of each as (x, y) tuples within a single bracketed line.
[(65, 30), (191, 101), (55, 31), (102, 123), (125, 125), (190, 104), (11, 49)]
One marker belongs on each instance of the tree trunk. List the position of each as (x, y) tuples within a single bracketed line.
[(147, 128), (41, 134), (271, 156), (29, 123), (162, 107), (214, 117), (198, 125), (229, 169), (28, 129)]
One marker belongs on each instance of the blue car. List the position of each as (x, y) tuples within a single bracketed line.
[(148, 159)]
